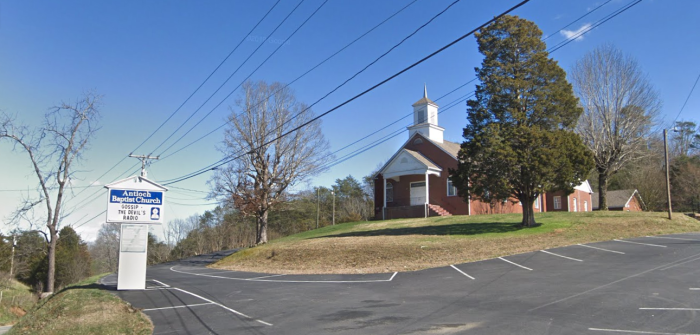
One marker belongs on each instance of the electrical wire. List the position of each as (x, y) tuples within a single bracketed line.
[(358, 95), (301, 76), (686, 99), (191, 95), (236, 71)]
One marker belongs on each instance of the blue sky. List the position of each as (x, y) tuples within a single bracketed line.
[(146, 58)]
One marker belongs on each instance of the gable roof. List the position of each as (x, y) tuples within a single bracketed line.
[(450, 148), (137, 183), (425, 99), (417, 155), (616, 199)]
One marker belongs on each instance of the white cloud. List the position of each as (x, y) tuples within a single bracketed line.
[(578, 32)]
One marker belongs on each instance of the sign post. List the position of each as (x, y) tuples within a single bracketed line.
[(136, 203)]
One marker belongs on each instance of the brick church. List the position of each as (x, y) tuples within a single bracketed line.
[(415, 181)]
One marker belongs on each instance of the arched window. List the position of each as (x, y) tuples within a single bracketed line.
[(417, 141), (389, 192)]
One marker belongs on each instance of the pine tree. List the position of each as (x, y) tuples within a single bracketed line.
[(519, 140)]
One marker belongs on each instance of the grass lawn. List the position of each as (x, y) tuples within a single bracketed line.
[(15, 299), (413, 244), (83, 308)]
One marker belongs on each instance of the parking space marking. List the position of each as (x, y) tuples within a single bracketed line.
[(161, 283), (674, 265), (222, 306), (651, 245), (695, 289), (669, 309), (516, 264), (270, 276), (172, 268), (660, 267), (462, 272), (635, 331), (562, 256), (674, 238), (608, 250), (173, 307)]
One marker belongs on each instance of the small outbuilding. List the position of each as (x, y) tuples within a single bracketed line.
[(621, 200)]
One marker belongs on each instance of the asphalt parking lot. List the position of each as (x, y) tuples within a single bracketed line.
[(647, 285)]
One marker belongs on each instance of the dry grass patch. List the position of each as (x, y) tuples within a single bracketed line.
[(407, 245), (83, 308)]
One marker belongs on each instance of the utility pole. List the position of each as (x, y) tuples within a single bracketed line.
[(333, 194), (143, 159), (12, 260), (318, 205), (668, 184)]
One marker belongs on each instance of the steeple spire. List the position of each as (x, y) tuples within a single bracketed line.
[(425, 91)]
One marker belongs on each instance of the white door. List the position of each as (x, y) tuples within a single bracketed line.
[(418, 193), (575, 205), (585, 206)]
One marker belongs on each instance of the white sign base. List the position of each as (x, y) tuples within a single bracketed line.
[(133, 257)]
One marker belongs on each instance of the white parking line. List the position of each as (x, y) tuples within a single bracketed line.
[(222, 306), (161, 283), (668, 309), (635, 331), (695, 288), (651, 245), (289, 281), (172, 307), (462, 272), (674, 238), (270, 276), (592, 247), (516, 264), (562, 256)]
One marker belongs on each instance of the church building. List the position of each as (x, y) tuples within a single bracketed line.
[(415, 181)]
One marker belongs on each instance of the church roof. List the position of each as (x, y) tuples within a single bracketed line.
[(424, 100)]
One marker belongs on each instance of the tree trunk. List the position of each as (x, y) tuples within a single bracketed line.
[(528, 213), (51, 275), (602, 191), (261, 237)]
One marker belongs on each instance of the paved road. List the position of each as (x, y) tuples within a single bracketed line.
[(647, 285)]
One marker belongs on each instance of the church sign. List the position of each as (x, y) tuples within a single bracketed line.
[(135, 206)]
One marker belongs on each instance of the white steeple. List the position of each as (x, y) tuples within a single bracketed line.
[(425, 119)]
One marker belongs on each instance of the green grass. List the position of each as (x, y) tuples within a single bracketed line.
[(83, 308), (412, 244), (17, 298)]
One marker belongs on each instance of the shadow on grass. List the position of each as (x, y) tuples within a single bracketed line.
[(451, 229)]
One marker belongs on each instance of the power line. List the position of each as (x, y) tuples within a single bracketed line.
[(302, 75), (572, 22), (686, 99), (364, 92), (209, 76), (447, 107), (191, 95), (212, 166), (581, 33), (234, 72)]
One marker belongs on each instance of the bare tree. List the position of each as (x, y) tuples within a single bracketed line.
[(620, 109), (256, 181), (105, 250), (52, 149)]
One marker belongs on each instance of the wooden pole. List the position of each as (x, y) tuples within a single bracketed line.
[(668, 184)]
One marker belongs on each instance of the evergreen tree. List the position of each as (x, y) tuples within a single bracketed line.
[(519, 140)]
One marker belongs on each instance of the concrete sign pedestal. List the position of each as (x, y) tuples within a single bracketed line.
[(136, 203)]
